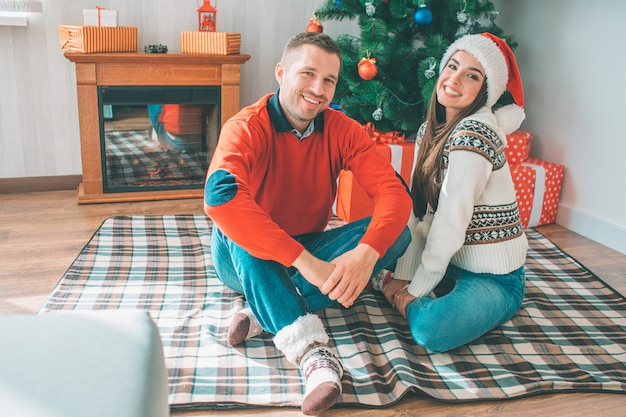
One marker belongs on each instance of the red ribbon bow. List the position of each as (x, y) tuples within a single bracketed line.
[(99, 8), (380, 137)]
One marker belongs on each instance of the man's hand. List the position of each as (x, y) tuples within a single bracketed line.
[(313, 269), (397, 294), (352, 272)]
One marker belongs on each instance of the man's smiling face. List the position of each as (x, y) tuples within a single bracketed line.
[(307, 79)]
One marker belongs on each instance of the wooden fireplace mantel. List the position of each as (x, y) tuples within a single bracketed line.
[(143, 69)]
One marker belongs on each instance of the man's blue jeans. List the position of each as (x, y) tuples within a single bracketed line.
[(279, 295), (476, 304)]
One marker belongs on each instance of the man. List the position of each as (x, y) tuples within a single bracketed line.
[(270, 189)]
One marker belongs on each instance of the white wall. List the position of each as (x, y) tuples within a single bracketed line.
[(39, 133), (570, 56), (572, 60)]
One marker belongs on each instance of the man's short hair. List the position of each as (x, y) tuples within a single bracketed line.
[(321, 40)]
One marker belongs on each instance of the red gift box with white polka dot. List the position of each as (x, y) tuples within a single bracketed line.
[(518, 146), (524, 182), (538, 188)]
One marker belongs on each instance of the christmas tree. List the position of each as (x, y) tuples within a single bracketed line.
[(389, 72)]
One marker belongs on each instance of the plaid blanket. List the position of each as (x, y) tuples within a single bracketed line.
[(134, 159), (570, 334)]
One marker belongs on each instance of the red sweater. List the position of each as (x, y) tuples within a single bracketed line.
[(264, 185)]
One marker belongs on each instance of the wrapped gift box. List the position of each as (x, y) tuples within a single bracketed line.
[(88, 39), (543, 196), (100, 17), (212, 43), (524, 181), (353, 203), (518, 146)]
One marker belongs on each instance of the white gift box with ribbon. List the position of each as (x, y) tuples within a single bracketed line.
[(100, 17)]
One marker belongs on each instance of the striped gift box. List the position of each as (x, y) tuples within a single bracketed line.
[(98, 38), (212, 43), (352, 201)]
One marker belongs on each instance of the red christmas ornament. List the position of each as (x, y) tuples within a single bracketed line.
[(367, 68), (314, 26)]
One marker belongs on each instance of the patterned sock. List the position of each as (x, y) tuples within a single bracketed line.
[(242, 327), (379, 280), (323, 373)]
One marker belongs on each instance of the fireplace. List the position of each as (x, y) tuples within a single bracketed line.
[(157, 138), (149, 122)]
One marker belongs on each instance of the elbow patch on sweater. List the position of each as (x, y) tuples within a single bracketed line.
[(220, 188)]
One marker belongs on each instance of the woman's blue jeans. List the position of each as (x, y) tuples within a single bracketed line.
[(476, 304), (278, 295)]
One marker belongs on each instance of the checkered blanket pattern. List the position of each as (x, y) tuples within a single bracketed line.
[(133, 158), (570, 334)]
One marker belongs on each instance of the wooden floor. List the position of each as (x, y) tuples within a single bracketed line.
[(42, 232)]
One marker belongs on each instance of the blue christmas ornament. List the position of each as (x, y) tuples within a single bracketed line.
[(423, 16), (336, 106)]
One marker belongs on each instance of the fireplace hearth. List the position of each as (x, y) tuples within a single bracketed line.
[(149, 122), (157, 138)]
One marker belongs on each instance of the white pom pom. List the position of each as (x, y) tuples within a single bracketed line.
[(510, 117)]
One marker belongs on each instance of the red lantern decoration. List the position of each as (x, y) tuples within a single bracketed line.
[(207, 17)]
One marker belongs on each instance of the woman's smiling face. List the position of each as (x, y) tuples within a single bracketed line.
[(459, 83)]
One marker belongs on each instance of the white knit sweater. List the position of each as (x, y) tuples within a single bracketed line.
[(477, 224)]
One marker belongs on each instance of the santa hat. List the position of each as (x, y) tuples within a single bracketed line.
[(501, 72)]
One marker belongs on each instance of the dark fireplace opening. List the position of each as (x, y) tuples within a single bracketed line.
[(157, 137)]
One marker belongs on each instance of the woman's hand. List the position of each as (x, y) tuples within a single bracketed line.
[(397, 294)]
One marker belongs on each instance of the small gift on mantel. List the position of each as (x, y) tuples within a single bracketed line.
[(211, 43), (100, 17), (88, 39), (353, 203)]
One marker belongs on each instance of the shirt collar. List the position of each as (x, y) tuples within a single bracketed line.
[(281, 124)]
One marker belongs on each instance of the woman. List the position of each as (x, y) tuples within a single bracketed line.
[(463, 273)]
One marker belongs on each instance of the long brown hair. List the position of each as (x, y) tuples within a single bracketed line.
[(428, 173)]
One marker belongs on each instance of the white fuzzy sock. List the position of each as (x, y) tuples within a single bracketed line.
[(295, 339), (304, 343)]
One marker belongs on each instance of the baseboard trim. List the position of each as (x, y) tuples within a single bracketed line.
[(608, 234), (36, 184)]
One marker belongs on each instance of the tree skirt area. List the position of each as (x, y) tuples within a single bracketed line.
[(569, 336)]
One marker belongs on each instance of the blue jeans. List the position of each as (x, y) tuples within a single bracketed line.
[(475, 304), (279, 295)]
